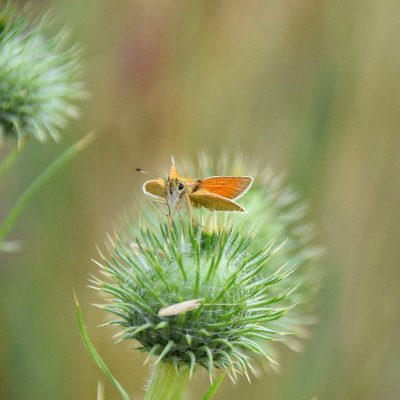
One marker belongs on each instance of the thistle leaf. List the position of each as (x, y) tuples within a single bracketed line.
[(93, 352)]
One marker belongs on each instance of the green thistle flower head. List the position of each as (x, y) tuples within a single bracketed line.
[(38, 78), (217, 292)]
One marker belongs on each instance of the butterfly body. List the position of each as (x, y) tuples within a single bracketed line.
[(216, 193)]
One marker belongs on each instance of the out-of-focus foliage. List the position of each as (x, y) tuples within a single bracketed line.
[(310, 87), (38, 77)]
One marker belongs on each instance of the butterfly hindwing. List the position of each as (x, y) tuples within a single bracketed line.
[(214, 202)]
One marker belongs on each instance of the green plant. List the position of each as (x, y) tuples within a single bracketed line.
[(38, 84), (234, 282), (38, 78)]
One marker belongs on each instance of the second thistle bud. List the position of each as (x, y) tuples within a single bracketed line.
[(38, 78)]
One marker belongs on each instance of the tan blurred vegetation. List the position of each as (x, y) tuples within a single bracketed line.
[(310, 87)]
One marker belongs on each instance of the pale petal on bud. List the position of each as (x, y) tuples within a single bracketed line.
[(179, 308)]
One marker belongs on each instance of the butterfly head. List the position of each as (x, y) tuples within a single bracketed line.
[(175, 186)]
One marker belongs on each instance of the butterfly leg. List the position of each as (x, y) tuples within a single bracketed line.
[(190, 210), (158, 205), (174, 211), (170, 216), (181, 220)]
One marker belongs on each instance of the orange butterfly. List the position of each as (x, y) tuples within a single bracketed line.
[(216, 193)]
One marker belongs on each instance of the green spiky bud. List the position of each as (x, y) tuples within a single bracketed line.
[(217, 291), (38, 78), (280, 216)]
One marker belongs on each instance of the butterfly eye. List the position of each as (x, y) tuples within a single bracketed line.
[(180, 186)]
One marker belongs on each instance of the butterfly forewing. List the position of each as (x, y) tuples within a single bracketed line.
[(230, 187)]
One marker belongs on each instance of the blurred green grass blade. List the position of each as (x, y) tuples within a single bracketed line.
[(31, 190), (213, 388), (93, 352)]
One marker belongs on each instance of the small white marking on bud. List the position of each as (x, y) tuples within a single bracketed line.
[(179, 308), (134, 246)]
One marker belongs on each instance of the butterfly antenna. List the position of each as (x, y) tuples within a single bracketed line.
[(173, 174), (143, 171)]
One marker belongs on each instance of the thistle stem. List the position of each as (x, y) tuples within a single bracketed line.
[(7, 163), (31, 190), (166, 383)]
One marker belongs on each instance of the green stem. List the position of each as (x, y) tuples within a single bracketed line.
[(182, 384), (166, 383), (9, 161), (213, 388), (31, 190)]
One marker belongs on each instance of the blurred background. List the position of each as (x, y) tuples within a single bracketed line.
[(309, 87)]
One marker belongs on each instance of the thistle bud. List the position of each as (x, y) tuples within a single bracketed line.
[(217, 291), (38, 78)]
